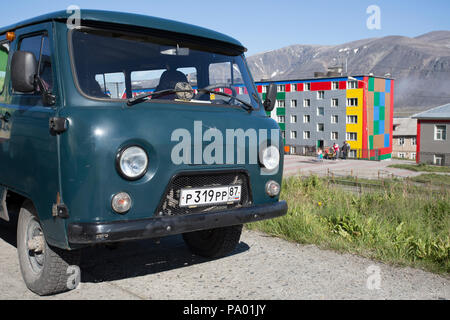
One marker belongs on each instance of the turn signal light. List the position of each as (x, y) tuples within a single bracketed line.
[(10, 36)]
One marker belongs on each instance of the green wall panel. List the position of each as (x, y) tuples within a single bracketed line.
[(281, 111), (281, 96), (376, 98), (371, 84)]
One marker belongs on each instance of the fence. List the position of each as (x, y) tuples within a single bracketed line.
[(387, 183)]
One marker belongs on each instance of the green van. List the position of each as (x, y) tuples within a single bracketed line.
[(118, 127)]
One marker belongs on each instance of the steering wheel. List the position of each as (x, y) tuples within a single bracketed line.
[(215, 86)]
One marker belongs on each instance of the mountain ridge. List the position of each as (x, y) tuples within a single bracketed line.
[(420, 65)]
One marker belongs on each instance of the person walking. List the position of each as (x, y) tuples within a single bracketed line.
[(345, 149), (336, 150)]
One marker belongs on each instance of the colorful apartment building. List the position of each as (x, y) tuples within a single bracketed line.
[(318, 112)]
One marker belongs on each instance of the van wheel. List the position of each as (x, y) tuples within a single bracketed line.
[(213, 243), (45, 269)]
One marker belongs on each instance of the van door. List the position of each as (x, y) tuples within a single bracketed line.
[(29, 152)]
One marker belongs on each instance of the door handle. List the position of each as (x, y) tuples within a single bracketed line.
[(5, 117)]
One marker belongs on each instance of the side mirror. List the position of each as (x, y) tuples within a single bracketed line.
[(271, 97), (23, 71)]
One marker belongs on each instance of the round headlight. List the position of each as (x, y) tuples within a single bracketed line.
[(270, 157), (132, 162)]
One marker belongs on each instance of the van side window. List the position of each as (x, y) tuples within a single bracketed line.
[(112, 85), (4, 51), (39, 45)]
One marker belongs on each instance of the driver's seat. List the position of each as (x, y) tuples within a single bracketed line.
[(168, 80)]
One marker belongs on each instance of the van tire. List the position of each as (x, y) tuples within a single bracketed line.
[(213, 243), (49, 273)]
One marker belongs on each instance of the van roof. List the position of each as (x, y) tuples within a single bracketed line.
[(131, 19)]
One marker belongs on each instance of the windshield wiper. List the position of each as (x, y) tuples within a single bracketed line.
[(246, 106), (142, 97)]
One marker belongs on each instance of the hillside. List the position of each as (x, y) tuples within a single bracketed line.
[(420, 65)]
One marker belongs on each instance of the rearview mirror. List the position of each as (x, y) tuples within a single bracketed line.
[(23, 71), (271, 97)]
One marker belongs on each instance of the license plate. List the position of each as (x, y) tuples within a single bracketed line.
[(193, 197)]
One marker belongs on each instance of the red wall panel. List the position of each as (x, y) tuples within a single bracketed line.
[(342, 85), (288, 87), (316, 86)]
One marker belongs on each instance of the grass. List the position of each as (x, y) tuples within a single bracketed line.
[(421, 167), (393, 225), (432, 178)]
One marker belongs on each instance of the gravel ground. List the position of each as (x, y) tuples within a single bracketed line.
[(261, 267)]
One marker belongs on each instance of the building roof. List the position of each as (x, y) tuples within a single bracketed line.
[(324, 78), (404, 127), (441, 112), (129, 19)]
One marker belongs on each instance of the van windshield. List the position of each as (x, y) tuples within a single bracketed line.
[(111, 65)]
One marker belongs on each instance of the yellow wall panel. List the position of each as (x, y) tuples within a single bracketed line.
[(357, 111)]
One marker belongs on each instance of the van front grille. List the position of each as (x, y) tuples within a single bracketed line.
[(169, 206)]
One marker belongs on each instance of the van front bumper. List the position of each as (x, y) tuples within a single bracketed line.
[(104, 232)]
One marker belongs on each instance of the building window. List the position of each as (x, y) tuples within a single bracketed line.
[(402, 155), (280, 119), (320, 111), (283, 134), (307, 86), (352, 84), (438, 159), (401, 141), (306, 135), (334, 85), (334, 135), (334, 102), (281, 103), (306, 118), (281, 88), (320, 127), (352, 119), (264, 89), (320, 95), (440, 132), (352, 154), (413, 142), (334, 119), (293, 134), (413, 156), (292, 150), (293, 87), (352, 102), (293, 119), (306, 103), (352, 136), (293, 103)]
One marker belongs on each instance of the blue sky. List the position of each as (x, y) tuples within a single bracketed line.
[(265, 25)]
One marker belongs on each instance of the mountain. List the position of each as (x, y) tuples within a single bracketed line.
[(420, 65)]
